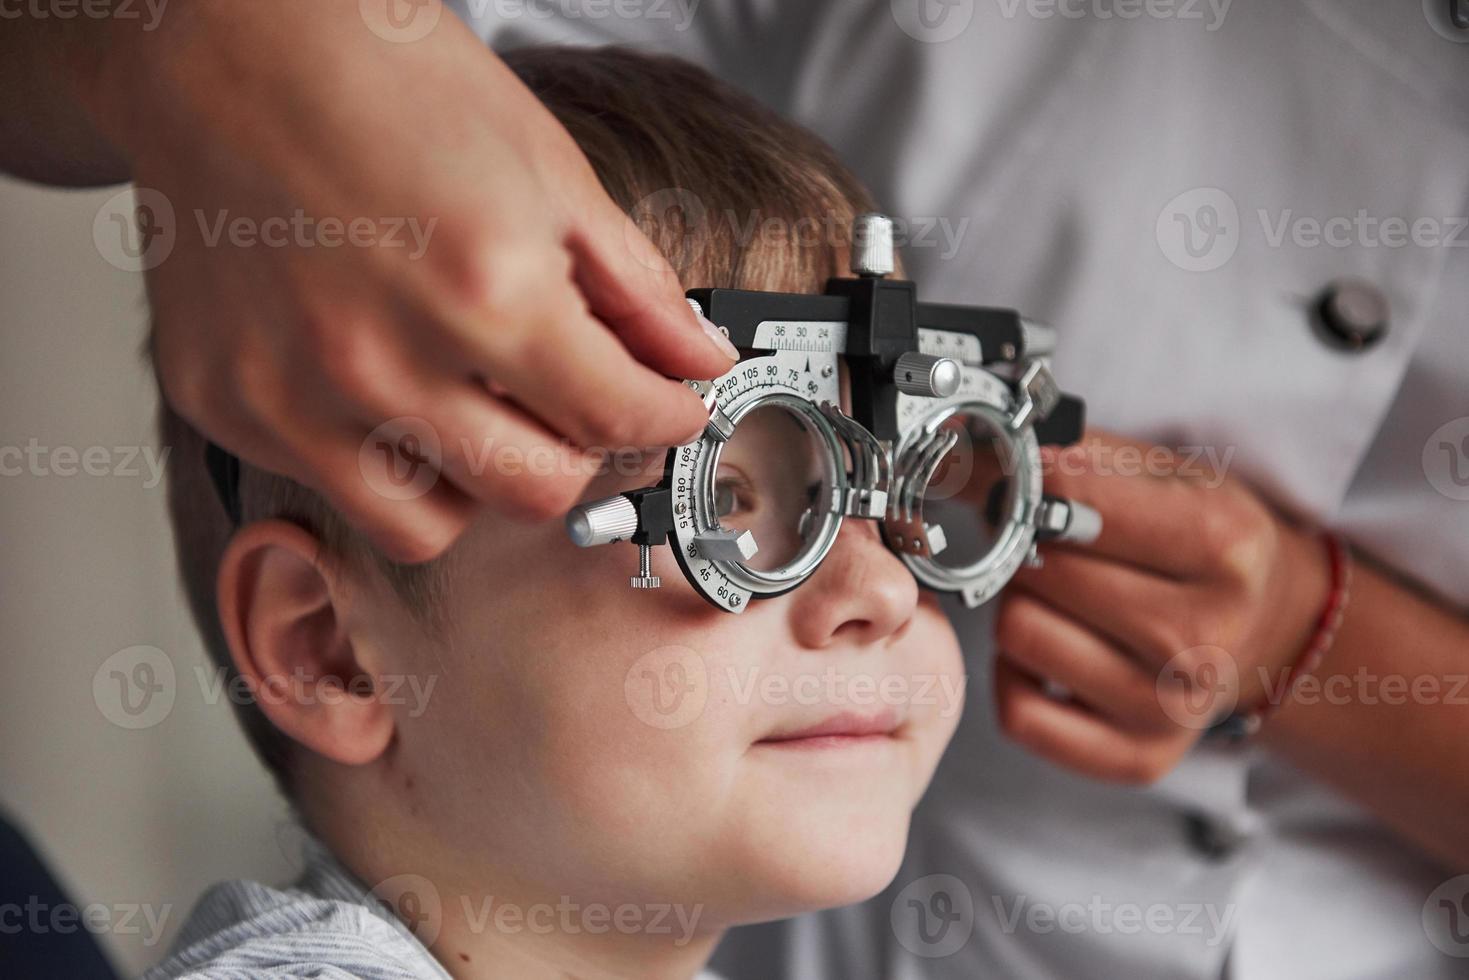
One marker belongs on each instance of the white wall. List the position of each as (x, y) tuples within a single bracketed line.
[(128, 817)]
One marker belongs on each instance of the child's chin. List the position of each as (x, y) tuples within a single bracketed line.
[(813, 871)]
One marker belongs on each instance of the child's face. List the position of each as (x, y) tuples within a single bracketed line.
[(621, 745)]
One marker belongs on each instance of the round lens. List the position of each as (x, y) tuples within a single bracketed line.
[(771, 480), (970, 499)]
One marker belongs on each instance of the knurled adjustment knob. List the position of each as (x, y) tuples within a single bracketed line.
[(602, 522), (926, 375)]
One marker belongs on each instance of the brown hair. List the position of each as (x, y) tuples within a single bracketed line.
[(731, 193)]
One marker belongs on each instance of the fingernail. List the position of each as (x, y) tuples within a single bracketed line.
[(720, 338)]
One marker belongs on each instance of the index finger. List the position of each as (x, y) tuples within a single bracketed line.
[(1150, 516), (573, 374), (632, 288)]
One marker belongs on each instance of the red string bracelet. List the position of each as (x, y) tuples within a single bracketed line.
[(1243, 725)]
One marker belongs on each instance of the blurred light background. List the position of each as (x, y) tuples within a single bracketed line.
[(136, 818)]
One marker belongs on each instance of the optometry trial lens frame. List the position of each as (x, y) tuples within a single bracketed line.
[(923, 376)]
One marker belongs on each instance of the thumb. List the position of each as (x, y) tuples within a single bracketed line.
[(631, 287)]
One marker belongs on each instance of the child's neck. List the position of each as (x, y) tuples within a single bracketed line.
[(486, 926), (481, 951)]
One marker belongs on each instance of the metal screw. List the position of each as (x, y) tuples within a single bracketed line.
[(645, 579)]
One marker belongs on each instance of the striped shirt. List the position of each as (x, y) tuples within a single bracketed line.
[(326, 926)]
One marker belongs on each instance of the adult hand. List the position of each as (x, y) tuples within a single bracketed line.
[(1196, 596), (488, 290)]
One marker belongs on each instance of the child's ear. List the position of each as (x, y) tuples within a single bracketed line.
[(283, 610)]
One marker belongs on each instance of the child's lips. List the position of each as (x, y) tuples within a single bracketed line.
[(843, 728)]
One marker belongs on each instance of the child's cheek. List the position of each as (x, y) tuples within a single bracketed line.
[(635, 754), (940, 683)]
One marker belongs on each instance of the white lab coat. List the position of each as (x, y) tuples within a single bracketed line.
[(1071, 156)]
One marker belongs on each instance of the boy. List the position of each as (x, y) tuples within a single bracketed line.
[(597, 782)]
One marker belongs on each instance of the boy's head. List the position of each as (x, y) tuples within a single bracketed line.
[(517, 714)]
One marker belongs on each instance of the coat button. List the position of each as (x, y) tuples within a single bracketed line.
[(1352, 314), (1210, 838)]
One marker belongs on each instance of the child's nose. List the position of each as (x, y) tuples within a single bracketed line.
[(862, 592)]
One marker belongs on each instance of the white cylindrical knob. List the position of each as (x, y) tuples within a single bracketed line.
[(602, 522), (872, 245), (1085, 525), (1038, 339), (1059, 519), (926, 375)]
